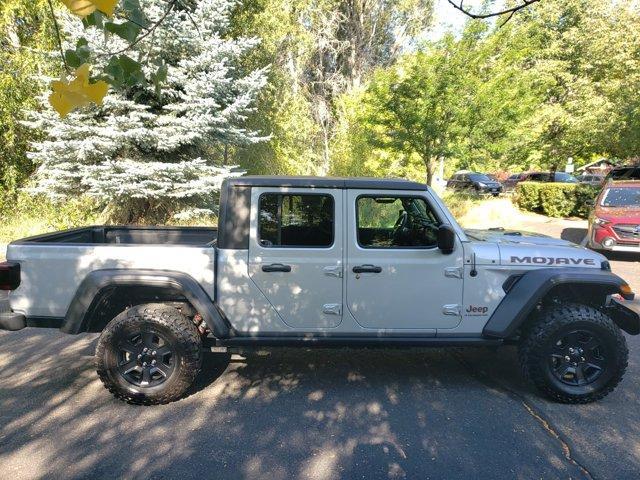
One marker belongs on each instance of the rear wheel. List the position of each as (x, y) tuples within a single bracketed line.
[(574, 354), (149, 354)]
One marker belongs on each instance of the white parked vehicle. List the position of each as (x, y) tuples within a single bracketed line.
[(321, 261)]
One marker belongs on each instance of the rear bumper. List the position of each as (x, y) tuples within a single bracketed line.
[(12, 321), (492, 190)]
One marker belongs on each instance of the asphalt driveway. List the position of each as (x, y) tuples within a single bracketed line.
[(312, 414)]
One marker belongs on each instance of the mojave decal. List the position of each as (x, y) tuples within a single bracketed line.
[(552, 260)]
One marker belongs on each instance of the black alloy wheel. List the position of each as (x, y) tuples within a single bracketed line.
[(146, 359), (578, 358)]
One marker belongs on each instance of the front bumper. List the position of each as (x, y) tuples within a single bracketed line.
[(626, 314), (605, 238), (12, 321)]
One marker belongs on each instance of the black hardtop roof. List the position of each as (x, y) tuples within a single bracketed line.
[(326, 182)]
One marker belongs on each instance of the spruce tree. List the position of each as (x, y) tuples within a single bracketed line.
[(153, 149)]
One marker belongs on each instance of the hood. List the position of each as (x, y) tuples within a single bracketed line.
[(530, 249), (619, 214), (515, 237)]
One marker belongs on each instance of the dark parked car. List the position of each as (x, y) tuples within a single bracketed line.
[(511, 182), (624, 173), (560, 177), (614, 223), (474, 182)]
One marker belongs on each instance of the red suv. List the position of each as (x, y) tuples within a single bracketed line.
[(614, 223)]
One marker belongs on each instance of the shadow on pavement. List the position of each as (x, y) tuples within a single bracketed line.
[(575, 235), (279, 414)]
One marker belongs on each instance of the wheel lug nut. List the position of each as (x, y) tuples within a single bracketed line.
[(153, 353), (144, 364), (153, 362), (567, 358), (582, 359), (140, 355)]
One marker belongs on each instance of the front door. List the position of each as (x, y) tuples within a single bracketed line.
[(396, 277), (295, 254)]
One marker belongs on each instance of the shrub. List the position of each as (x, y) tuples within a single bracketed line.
[(584, 193), (528, 196), (558, 199), (555, 199)]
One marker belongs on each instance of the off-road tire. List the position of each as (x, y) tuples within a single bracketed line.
[(539, 340), (180, 334)]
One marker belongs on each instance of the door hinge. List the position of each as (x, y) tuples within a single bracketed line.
[(332, 309), (333, 271), (452, 309), (453, 272)]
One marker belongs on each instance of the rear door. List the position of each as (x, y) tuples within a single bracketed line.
[(295, 254)]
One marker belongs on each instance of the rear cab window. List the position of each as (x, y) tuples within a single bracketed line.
[(296, 220)]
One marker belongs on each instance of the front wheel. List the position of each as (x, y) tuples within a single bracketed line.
[(149, 354), (574, 353)]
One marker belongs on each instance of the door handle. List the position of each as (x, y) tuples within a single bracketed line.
[(276, 267), (367, 269), (333, 271)]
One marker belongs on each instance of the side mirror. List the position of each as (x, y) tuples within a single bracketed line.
[(446, 239)]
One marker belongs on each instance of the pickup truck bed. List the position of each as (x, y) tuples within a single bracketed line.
[(55, 264), (100, 235)]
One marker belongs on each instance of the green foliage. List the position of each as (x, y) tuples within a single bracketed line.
[(555, 199), (128, 22), (25, 30), (584, 194), (527, 196), (558, 199), (559, 80), (28, 215), (460, 203)]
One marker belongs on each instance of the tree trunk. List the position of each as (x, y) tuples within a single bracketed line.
[(430, 164)]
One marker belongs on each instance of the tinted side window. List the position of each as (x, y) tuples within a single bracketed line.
[(296, 220), (395, 222)]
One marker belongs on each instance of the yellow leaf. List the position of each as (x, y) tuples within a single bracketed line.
[(82, 8), (66, 96)]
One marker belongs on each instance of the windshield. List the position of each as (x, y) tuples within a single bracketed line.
[(621, 197), (479, 177), (565, 177), (624, 173)]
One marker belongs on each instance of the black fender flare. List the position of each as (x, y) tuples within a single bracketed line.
[(95, 285), (527, 291)]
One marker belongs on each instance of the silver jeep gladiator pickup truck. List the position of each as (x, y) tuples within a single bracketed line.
[(321, 261)]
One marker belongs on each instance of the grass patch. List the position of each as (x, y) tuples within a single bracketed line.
[(27, 215), (460, 203)]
